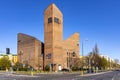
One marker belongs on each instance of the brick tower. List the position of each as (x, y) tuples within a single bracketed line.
[(53, 31)]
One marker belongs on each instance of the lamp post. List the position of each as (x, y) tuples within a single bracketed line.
[(90, 62), (83, 55)]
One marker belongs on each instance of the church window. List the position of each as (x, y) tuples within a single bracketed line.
[(56, 20), (49, 55), (50, 20)]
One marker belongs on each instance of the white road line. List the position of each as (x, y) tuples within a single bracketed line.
[(97, 73), (25, 75), (94, 74), (114, 76)]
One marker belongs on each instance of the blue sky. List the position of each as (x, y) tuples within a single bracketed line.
[(95, 20)]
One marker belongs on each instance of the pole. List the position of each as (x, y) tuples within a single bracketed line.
[(89, 64), (83, 56), (82, 60)]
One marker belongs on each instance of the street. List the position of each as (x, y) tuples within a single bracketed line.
[(111, 75), (114, 75)]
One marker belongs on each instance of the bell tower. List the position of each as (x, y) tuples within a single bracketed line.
[(53, 36)]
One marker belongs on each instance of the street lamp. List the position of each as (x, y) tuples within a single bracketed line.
[(83, 55), (90, 62)]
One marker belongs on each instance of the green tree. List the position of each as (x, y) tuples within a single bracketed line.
[(105, 63), (20, 67), (47, 68), (97, 60), (116, 63), (5, 63), (17, 66), (96, 50)]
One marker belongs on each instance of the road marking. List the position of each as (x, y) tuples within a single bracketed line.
[(24, 75), (97, 73), (114, 76), (9, 75), (94, 74)]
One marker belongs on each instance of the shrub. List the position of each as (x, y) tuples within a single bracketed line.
[(47, 68)]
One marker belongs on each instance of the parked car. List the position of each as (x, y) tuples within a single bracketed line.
[(66, 70)]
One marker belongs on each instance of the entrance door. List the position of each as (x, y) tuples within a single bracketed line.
[(59, 67)]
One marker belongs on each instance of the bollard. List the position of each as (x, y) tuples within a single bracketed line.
[(32, 74), (82, 73), (6, 70)]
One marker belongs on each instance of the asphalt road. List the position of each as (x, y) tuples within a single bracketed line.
[(113, 75)]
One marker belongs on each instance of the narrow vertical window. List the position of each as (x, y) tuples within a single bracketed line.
[(50, 20), (56, 20), (48, 56), (77, 44)]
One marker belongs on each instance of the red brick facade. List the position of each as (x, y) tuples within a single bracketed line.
[(30, 50), (57, 52)]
